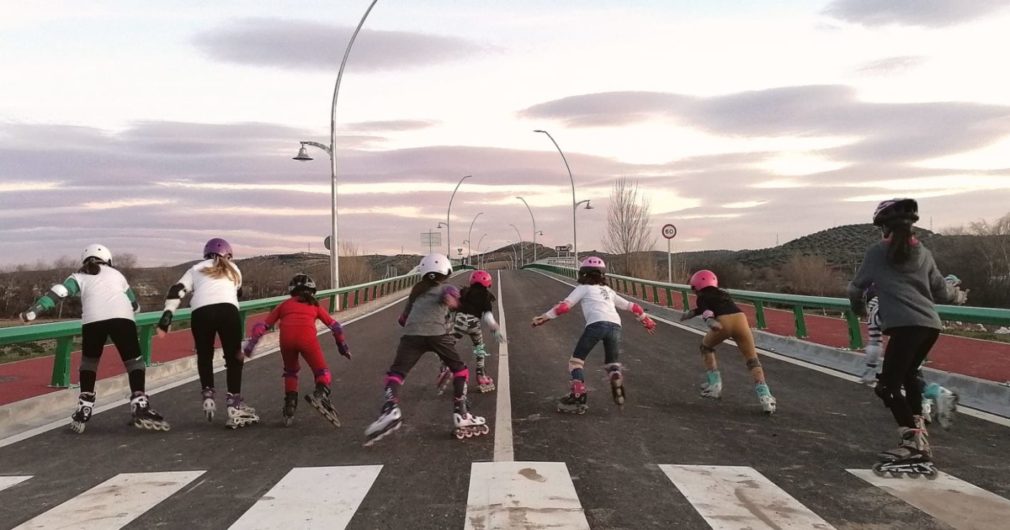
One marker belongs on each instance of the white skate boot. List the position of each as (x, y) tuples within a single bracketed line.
[(239, 414), (389, 421)]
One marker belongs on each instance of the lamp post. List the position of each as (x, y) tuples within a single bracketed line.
[(469, 236), (331, 150), (522, 255), (575, 234), (448, 243), (534, 228), (481, 258)]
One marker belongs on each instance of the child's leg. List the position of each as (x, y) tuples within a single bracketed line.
[(712, 387), (123, 333), (739, 330), (612, 357), (408, 352), (289, 356), (313, 355)]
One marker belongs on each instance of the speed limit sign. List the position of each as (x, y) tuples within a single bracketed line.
[(669, 231)]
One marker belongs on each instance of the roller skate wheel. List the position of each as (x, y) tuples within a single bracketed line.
[(459, 434), (914, 474), (288, 420), (77, 427), (484, 429)]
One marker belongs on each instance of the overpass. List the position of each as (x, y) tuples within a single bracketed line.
[(667, 459)]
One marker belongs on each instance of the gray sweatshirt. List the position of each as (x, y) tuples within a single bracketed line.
[(428, 316), (907, 291)]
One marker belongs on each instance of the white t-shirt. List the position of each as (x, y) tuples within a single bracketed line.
[(207, 290), (103, 295), (599, 303)]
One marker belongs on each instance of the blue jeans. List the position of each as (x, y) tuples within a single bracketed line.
[(608, 332)]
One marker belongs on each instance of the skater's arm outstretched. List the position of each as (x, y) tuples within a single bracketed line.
[(561, 307), (173, 299), (261, 328), (336, 329), (57, 292), (635, 309), (488, 318)]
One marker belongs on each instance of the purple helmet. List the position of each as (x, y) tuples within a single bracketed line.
[(217, 247)]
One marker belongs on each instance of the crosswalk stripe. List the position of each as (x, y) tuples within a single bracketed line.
[(115, 502), (738, 497), (311, 497), (522, 495), (8, 481), (947, 498)]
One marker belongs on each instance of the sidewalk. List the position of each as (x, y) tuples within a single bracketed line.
[(30, 378)]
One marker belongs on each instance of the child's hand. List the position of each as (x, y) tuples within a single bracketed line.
[(648, 324), (247, 350), (344, 349), (27, 316), (498, 336), (402, 321), (160, 332), (539, 320)]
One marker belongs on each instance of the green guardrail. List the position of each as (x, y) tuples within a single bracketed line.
[(66, 331), (650, 291)]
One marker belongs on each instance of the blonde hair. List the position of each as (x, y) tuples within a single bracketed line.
[(222, 268)]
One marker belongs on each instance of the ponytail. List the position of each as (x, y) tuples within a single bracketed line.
[(91, 266), (900, 248), (305, 296), (222, 268)]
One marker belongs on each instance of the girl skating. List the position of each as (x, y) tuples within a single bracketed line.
[(427, 327), (297, 317), (475, 305), (599, 306), (907, 283), (107, 308), (215, 284), (725, 321)]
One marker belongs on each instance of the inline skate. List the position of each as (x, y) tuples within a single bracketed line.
[(209, 406), (912, 457), (290, 406), (712, 387), (320, 400), (484, 381), (85, 406), (617, 387), (144, 417), (239, 414), (466, 425), (577, 401), (389, 420), (768, 402)]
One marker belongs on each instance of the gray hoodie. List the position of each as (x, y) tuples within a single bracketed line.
[(428, 315), (907, 291)]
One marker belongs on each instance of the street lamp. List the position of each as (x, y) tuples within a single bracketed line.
[(534, 228), (481, 258), (331, 150), (469, 236), (575, 235), (522, 255), (448, 243)]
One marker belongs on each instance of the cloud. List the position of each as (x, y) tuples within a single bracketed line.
[(302, 45), (881, 132), (889, 65), (928, 13), (392, 125)]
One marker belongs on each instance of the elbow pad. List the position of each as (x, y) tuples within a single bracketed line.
[(637, 310), (561, 308), (174, 297), (60, 291)]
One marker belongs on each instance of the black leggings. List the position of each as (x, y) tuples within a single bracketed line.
[(223, 321), (123, 333), (906, 350)]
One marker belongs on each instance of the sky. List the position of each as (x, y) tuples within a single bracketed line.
[(152, 127)]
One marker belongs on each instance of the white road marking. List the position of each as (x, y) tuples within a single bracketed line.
[(311, 497), (947, 498), (503, 449), (737, 498), (506, 495), (961, 409), (8, 481), (116, 403), (114, 503)]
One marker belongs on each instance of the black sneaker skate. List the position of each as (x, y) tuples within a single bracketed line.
[(290, 406), (389, 421), (144, 417), (320, 399), (573, 404), (85, 407)]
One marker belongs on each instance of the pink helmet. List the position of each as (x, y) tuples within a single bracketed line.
[(702, 279), (481, 277), (593, 262)]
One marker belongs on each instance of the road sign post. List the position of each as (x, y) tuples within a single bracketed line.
[(669, 232)]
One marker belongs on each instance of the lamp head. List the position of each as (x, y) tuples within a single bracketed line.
[(303, 154), (540, 131), (589, 206)]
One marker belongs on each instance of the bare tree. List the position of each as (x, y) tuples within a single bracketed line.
[(811, 275), (354, 268), (628, 223)]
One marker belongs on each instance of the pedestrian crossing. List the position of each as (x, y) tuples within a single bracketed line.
[(505, 495)]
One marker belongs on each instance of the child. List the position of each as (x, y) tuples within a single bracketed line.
[(427, 327), (599, 306), (298, 316), (475, 304), (945, 399), (725, 321), (108, 305), (215, 284), (907, 282)]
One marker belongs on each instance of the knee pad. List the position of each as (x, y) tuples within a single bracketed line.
[(290, 374), (132, 365), (89, 364), (705, 350), (462, 373), (322, 376), (576, 364), (753, 363), (884, 393)]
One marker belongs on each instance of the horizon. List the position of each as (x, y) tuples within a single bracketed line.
[(151, 129)]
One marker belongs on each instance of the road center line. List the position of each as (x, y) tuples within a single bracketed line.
[(503, 450)]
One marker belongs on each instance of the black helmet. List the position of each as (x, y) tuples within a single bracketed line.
[(302, 281), (896, 211)]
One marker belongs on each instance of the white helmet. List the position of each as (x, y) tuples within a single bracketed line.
[(97, 251), (435, 263)]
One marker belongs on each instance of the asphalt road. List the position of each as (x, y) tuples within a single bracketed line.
[(824, 426)]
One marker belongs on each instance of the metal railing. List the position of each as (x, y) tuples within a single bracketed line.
[(650, 290), (65, 332)]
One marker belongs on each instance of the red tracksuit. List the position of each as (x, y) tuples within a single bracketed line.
[(298, 335)]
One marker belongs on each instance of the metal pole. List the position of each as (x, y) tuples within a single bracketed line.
[(448, 242), (334, 266), (669, 262), (575, 234), (534, 228), (522, 254), (469, 235)]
